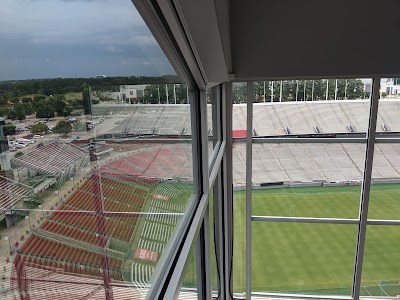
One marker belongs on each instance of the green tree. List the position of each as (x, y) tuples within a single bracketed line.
[(39, 97), (39, 128), (18, 154), (76, 103), (151, 94), (28, 108), (18, 112), (239, 92), (3, 111), (26, 100), (59, 104), (44, 109), (67, 111), (63, 127)]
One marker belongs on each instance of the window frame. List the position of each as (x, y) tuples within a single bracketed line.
[(362, 221)]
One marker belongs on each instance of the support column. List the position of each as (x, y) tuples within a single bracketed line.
[(223, 201), (101, 227), (19, 266), (249, 186), (366, 186)]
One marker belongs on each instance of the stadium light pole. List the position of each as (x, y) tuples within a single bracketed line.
[(41, 206), (312, 91), (280, 92), (7, 238), (297, 88), (174, 93), (29, 219), (327, 85), (158, 92), (272, 91), (336, 89), (264, 91), (345, 90), (166, 91), (305, 85)]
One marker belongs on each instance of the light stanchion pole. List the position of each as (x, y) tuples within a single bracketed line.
[(29, 219), (336, 89), (327, 89), (41, 206), (312, 91), (6, 238)]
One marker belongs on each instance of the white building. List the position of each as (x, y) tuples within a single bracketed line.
[(131, 92), (392, 87)]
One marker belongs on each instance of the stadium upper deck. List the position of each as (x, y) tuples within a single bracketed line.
[(269, 118)]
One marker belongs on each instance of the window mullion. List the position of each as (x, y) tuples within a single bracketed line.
[(366, 186), (249, 185)]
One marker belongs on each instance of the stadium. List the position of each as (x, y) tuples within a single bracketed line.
[(112, 222)]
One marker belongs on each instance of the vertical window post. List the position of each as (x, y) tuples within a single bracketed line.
[(366, 186)]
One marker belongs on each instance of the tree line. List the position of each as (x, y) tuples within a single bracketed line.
[(301, 90), (57, 86), (164, 94), (265, 91), (42, 106)]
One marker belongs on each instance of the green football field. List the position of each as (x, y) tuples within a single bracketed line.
[(318, 258)]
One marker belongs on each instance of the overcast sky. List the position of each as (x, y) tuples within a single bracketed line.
[(76, 38)]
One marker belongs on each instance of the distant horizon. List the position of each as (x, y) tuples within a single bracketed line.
[(92, 77)]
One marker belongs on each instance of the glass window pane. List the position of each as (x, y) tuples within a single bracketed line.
[(189, 285), (389, 106), (96, 163), (239, 183), (381, 266), (385, 191), (297, 258), (307, 180), (239, 242)]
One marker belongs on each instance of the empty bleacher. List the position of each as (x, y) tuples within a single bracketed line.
[(166, 161), (11, 193), (53, 158), (47, 254), (310, 162), (83, 224), (269, 118), (156, 232)]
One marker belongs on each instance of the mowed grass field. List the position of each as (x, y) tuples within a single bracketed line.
[(318, 258)]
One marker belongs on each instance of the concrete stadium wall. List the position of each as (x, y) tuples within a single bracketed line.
[(315, 184)]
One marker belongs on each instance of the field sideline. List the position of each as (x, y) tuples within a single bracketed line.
[(318, 258)]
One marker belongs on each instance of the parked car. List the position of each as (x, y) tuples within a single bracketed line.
[(18, 145), (25, 141)]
